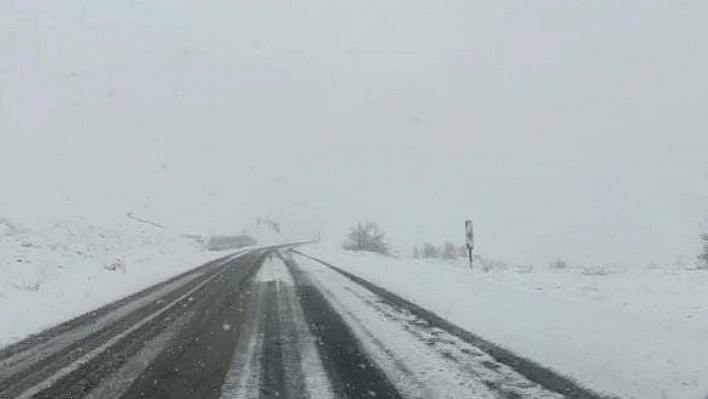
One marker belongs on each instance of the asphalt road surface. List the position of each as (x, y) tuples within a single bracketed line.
[(269, 323)]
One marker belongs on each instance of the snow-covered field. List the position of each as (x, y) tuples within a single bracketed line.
[(51, 272), (635, 334)]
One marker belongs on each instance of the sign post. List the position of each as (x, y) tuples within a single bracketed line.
[(469, 240)]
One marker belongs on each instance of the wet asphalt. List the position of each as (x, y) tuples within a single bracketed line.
[(182, 343)]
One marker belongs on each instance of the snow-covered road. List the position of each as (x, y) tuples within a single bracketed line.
[(263, 324)]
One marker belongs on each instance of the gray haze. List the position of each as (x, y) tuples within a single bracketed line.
[(565, 129)]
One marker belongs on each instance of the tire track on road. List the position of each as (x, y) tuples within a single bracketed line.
[(352, 373), (276, 357), (195, 363)]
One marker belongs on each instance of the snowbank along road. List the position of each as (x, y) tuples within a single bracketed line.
[(269, 323)]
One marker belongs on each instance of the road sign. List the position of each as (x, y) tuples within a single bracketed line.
[(469, 234)]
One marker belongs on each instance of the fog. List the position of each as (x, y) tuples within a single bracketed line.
[(572, 130)]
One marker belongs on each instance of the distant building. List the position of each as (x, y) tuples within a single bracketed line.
[(222, 243)]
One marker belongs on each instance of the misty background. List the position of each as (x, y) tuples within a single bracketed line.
[(572, 130)]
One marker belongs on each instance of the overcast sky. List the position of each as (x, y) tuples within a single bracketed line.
[(565, 129)]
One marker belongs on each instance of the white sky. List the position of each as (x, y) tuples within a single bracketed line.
[(565, 129)]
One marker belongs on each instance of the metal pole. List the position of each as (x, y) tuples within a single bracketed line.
[(469, 239)]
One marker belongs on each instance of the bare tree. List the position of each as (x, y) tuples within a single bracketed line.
[(366, 237), (416, 253)]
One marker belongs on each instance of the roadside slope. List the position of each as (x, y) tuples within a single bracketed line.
[(52, 272), (630, 352)]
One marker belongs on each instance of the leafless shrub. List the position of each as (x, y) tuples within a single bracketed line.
[(703, 257), (366, 237), (521, 269), (449, 251), (430, 251), (558, 264), (596, 271), (28, 286)]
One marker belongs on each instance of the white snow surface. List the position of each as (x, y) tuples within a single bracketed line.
[(633, 334), (51, 272)]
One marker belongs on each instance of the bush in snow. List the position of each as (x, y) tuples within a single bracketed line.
[(32, 286), (703, 257), (430, 251), (366, 237), (449, 251), (558, 264), (596, 271)]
